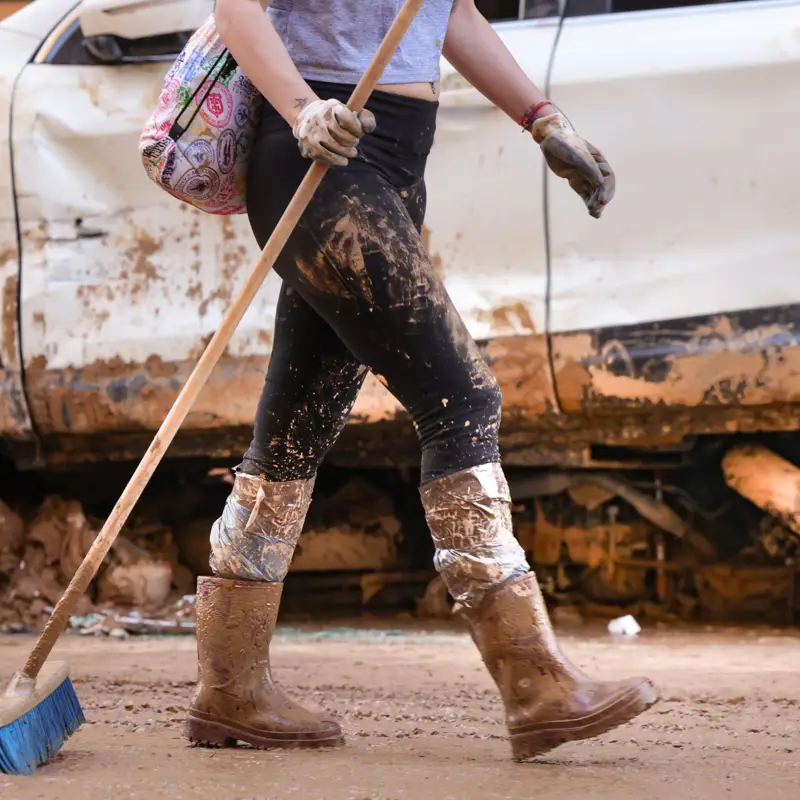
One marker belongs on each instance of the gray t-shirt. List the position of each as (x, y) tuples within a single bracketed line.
[(334, 40)]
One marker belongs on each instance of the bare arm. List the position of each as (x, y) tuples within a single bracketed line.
[(252, 40), (478, 53)]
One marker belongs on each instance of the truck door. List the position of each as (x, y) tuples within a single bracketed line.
[(20, 36), (686, 294), (122, 284)]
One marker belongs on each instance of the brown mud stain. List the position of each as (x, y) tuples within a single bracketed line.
[(522, 369), (138, 259), (511, 318), (194, 291), (717, 365), (118, 396), (9, 253), (97, 300), (156, 367), (320, 276), (345, 242), (228, 231), (547, 539), (9, 356), (426, 237)]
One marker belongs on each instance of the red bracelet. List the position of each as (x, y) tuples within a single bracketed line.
[(528, 118)]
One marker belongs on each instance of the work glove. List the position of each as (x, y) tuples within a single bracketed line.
[(328, 131), (570, 156)]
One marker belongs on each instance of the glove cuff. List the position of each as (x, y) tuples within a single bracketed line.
[(547, 126)]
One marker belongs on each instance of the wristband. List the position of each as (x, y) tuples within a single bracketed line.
[(529, 116)]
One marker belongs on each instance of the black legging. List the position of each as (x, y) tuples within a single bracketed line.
[(360, 292)]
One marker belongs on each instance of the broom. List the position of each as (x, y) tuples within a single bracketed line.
[(40, 709)]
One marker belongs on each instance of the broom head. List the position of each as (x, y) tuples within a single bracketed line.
[(36, 717)]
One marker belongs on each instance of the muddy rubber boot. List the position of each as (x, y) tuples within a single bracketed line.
[(548, 701), (237, 699)]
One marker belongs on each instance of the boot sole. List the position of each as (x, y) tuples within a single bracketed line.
[(216, 733), (530, 741)]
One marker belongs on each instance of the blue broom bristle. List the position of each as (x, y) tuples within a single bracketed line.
[(38, 735)]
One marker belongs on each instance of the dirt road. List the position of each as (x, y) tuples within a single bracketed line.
[(423, 721)]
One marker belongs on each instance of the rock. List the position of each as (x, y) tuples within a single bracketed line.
[(12, 530), (436, 602), (36, 566), (64, 532), (183, 579), (354, 529), (145, 585), (25, 587), (194, 546), (28, 586)]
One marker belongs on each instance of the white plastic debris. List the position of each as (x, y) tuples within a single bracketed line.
[(624, 626)]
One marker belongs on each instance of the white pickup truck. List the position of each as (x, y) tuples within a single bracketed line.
[(616, 341)]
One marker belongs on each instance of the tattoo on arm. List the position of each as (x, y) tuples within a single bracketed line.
[(300, 103)]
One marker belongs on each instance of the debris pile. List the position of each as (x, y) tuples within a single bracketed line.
[(355, 528), (147, 581), (141, 576), (12, 538), (180, 618), (603, 547)]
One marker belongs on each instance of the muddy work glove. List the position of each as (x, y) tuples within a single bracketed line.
[(328, 131), (570, 156)]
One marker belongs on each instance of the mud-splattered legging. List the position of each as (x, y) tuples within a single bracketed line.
[(360, 292)]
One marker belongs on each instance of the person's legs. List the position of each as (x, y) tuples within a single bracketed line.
[(361, 265), (311, 385), (360, 289), (312, 382), (356, 259)]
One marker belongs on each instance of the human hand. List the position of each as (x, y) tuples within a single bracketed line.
[(328, 131), (571, 157)]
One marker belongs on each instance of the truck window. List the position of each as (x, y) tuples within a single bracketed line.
[(71, 48)]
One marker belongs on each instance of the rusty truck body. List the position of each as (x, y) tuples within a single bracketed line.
[(675, 316)]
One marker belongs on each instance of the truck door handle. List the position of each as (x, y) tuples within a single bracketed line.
[(85, 232)]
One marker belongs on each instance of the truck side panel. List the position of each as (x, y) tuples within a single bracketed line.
[(124, 285), (685, 299)]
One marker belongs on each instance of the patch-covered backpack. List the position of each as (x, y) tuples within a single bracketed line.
[(197, 142)]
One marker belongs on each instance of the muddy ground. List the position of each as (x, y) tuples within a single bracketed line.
[(422, 721)]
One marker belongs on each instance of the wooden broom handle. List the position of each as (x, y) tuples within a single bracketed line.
[(197, 380)]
